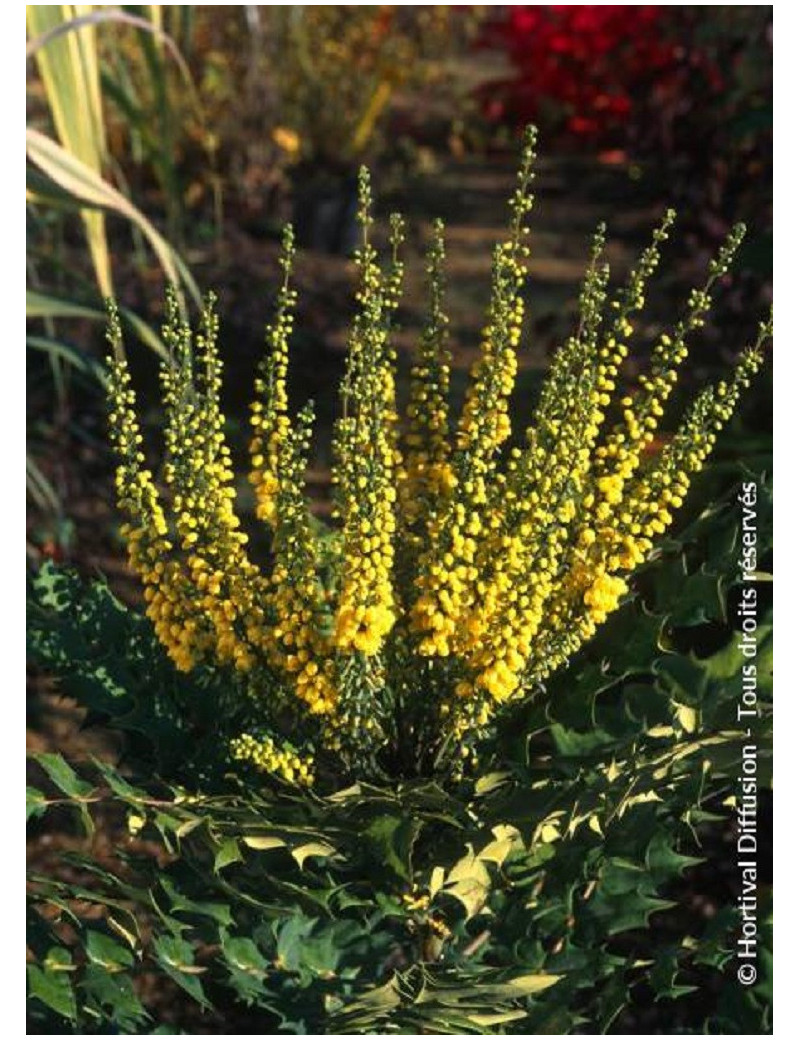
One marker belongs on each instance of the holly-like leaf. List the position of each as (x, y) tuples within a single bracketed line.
[(312, 848), (227, 853), (247, 967), (51, 984), (106, 952), (176, 957), (392, 838), (35, 803), (63, 775), (113, 997)]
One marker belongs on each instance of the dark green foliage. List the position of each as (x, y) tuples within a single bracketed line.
[(108, 658), (555, 882)]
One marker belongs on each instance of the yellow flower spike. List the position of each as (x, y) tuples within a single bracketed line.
[(665, 485), (269, 412), (299, 649), (200, 472), (588, 583), (482, 429), (427, 476), (570, 361), (168, 590), (540, 498), (627, 442), (366, 463)]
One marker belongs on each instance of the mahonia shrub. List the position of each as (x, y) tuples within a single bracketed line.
[(463, 567)]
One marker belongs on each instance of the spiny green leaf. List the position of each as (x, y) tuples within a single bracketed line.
[(468, 882), (227, 853), (63, 775), (291, 938), (393, 838), (247, 967), (242, 953), (113, 996), (106, 952), (181, 903), (176, 957), (118, 784), (312, 848), (35, 802), (51, 983)]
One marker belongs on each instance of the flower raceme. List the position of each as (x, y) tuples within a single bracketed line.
[(461, 568)]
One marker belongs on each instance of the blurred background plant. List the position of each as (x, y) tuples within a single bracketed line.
[(186, 121), (682, 94), (73, 181), (317, 91), (576, 68)]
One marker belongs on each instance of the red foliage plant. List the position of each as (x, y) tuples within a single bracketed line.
[(580, 65)]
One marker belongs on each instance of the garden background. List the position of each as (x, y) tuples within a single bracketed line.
[(194, 133)]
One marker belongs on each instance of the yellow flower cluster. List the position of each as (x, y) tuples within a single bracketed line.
[(459, 572), (270, 410), (447, 579), (365, 475), (547, 488), (167, 588), (426, 476), (302, 652), (270, 757), (226, 587)]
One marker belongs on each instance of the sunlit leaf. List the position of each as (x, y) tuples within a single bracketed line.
[(74, 176)]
